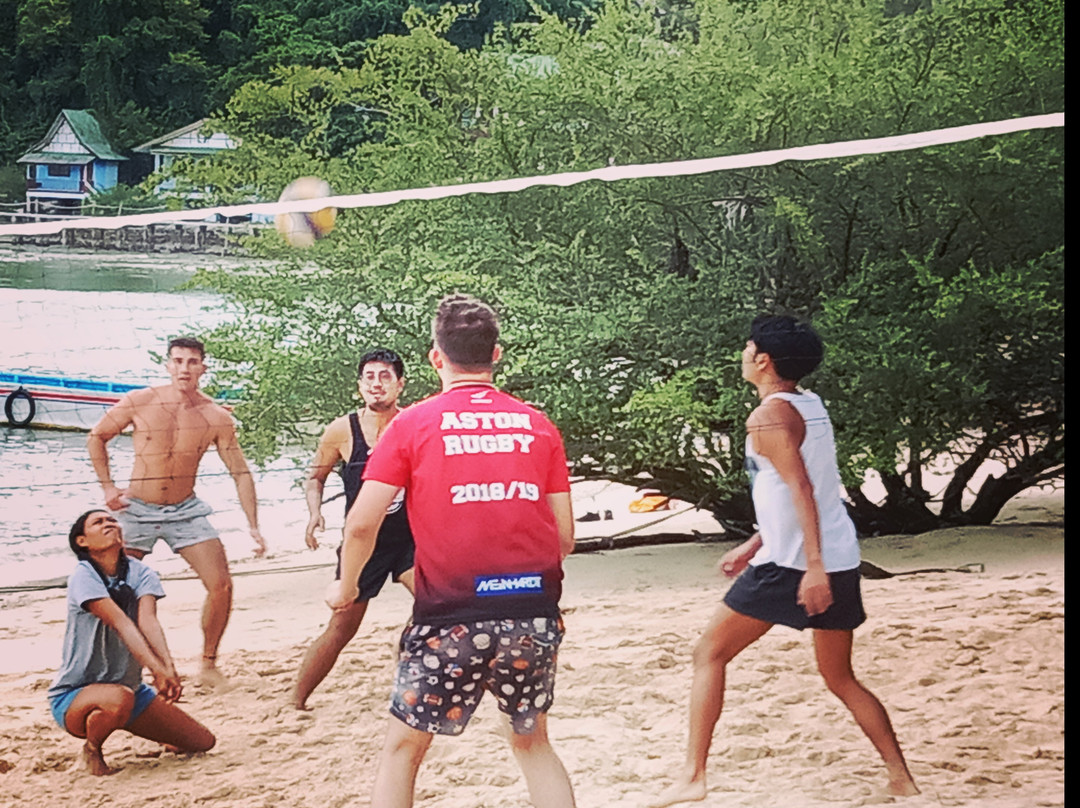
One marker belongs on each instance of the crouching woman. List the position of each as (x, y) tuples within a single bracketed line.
[(112, 634)]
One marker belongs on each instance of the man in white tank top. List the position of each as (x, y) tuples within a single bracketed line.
[(801, 569)]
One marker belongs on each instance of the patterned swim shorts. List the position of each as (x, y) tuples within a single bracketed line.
[(444, 670)]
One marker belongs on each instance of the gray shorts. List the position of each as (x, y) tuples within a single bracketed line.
[(180, 525)]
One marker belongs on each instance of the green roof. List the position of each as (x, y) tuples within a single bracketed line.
[(56, 158), (89, 134), (87, 131)]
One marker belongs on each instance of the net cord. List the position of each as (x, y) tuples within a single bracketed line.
[(679, 168)]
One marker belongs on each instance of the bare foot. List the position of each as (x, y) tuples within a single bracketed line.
[(903, 787), (94, 762), (302, 707), (211, 677), (682, 791)]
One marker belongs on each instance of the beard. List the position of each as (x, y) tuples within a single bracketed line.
[(380, 406)]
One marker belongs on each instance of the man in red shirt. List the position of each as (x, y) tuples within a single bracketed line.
[(489, 507)]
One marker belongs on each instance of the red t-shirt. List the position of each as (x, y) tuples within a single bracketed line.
[(477, 464)]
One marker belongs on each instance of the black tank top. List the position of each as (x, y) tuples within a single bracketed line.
[(396, 524)]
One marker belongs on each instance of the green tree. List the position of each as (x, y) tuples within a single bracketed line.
[(626, 304)]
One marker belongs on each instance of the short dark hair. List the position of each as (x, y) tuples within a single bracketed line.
[(187, 342), (386, 357), (794, 347), (466, 330)]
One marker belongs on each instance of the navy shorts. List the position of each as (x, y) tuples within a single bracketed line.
[(444, 670), (388, 560), (769, 592)]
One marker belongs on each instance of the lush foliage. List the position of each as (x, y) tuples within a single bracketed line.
[(936, 275), (148, 66)]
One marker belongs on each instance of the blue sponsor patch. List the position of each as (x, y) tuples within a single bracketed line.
[(522, 583)]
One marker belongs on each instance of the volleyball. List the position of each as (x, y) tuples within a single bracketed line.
[(304, 229)]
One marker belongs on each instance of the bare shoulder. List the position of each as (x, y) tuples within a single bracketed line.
[(774, 412), (216, 415), (337, 432), (144, 397), (772, 421), (338, 425)]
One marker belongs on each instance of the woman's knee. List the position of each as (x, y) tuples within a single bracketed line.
[(111, 704), (203, 741), (117, 702), (712, 649), (841, 682)]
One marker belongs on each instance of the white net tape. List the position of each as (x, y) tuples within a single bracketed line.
[(823, 151)]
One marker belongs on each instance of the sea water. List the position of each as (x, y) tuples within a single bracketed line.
[(103, 316)]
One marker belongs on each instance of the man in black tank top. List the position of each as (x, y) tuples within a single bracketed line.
[(348, 441)]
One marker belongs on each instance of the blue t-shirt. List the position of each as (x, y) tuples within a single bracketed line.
[(93, 652)]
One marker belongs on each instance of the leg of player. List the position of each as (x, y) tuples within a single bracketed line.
[(727, 634), (208, 560), (95, 714), (549, 784), (323, 653), (168, 724), (833, 650), (402, 754)]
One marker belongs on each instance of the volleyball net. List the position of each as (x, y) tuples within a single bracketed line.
[(614, 173)]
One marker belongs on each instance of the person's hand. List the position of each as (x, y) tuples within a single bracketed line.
[(260, 542), (815, 593), (169, 686), (115, 498), (734, 561), (340, 595), (314, 523)]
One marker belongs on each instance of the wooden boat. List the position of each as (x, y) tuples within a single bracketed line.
[(61, 402)]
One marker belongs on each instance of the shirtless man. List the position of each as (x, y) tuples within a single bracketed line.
[(174, 425), (801, 569), (348, 440)]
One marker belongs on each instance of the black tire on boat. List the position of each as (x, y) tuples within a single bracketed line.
[(9, 408)]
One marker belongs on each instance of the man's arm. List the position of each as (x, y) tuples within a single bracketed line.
[(778, 430), (112, 423), (562, 507), (169, 684), (361, 529), (229, 450), (326, 457)]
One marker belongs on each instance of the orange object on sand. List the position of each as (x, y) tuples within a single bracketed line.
[(650, 503)]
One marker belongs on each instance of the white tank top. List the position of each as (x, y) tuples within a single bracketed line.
[(781, 535)]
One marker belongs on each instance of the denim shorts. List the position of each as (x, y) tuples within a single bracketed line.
[(59, 705)]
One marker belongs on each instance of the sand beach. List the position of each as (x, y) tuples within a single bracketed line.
[(969, 663)]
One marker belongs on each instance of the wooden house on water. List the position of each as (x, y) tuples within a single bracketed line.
[(73, 161), (187, 142)]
